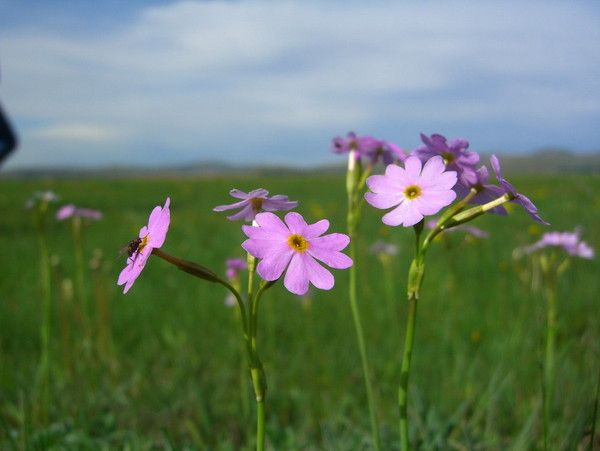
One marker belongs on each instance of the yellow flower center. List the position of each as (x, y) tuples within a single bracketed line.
[(257, 203), (412, 192), (298, 243), (448, 157)]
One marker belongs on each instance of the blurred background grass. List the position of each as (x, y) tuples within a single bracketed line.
[(168, 375)]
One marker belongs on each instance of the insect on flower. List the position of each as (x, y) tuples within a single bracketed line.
[(139, 249)]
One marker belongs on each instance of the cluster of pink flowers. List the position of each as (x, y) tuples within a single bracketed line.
[(294, 247), (432, 177)]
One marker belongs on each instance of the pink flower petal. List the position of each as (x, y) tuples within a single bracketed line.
[(295, 222), (271, 223), (316, 229), (331, 242), (432, 169), (395, 172), (272, 266), (318, 276), (331, 258), (412, 168), (264, 248), (233, 206), (296, 278), (384, 184), (246, 213), (387, 200), (405, 214), (445, 181), (430, 202)]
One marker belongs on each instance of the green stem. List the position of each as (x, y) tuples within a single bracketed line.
[(416, 273), (548, 391), (362, 348), (405, 371), (260, 425), (256, 368), (43, 373), (80, 271)]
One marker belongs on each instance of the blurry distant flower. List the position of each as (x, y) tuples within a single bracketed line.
[(66, 211), (368, 147), (234, 266), (569, 241), (387, 151), (416, 191), (455, 155), (383, 248), (41, 197), (150, 237), (360, 145), (254, 202), (296, 246), (517, 198), (230, 300)]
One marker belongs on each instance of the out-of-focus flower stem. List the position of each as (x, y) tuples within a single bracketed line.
[(550, 274), (355, 181), (43, 371), (80, 274)]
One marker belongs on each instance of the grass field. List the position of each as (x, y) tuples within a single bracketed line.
[(162, 368)]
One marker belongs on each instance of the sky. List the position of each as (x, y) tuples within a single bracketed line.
[(158, 83)]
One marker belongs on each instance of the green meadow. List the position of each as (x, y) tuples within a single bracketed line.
[(162, 367)]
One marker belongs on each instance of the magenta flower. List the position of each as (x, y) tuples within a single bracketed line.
[(67, 211), (416, 191), (150, 237), (296, 246), (455, 155), (254, 202), (517, 198), (234, 266), (571, 242)]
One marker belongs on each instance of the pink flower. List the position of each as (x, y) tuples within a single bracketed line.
[(150, 237), (571, 242), (234, 266), (66, 211), (296, 246), (416, 191), (254, 202)]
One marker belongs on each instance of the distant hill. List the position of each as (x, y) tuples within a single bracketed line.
[(546, 161)]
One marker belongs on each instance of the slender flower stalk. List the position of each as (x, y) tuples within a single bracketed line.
[(551, 270), (548, 388), (355, 181), (77, 215), (40, 204)]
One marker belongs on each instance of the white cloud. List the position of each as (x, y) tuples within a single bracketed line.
[(83, 133), (190, 75)]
